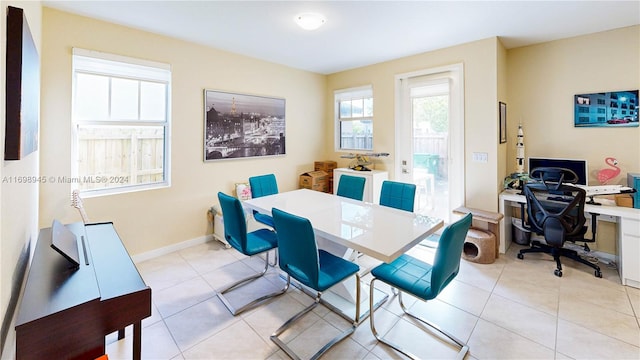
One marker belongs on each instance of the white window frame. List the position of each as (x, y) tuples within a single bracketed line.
[(117, 66), (355, 93)]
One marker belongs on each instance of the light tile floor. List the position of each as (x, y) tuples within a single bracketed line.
[(511, 309)]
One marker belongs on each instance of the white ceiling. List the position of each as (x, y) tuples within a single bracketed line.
[(357, 33)]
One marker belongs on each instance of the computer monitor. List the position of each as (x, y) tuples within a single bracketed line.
[(578, 166)]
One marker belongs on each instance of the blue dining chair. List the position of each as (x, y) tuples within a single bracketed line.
[(263, 185), (260, 241), (316, 269), (422, 280), (351, 187), (398, 195)]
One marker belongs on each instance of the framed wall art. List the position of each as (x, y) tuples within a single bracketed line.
[(503, 122), (242, 126), (22, 88), (606, 109)]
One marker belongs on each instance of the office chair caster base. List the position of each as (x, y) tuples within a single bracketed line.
[(557, 273), (598, 274), (520, 256)]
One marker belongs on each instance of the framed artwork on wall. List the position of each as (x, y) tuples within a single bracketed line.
[(606, 109), (503, 122), (242, 126), (22, 88)]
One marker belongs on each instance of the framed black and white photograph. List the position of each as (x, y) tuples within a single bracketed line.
[(242, 126), (503, 123), (606, 109)]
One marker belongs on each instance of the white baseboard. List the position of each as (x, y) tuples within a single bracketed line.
[(171, 248), (217, 235)]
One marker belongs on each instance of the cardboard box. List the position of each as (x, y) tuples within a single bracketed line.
[(624, 200), (315, 180), (326, 166)]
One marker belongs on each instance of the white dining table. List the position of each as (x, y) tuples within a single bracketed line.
[(378, 231), (344, 225)]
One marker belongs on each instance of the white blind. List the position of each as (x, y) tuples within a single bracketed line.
[(354, 93), (116, 65)]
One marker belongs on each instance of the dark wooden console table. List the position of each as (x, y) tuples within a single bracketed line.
[(66, 313)]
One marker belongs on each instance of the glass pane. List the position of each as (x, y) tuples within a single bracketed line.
[(92, 97), (368, 107), (430, 115), (153, 103), (150, 155), (345, 109), (356, 135), (124, 99), (116, 156), (356, 110)]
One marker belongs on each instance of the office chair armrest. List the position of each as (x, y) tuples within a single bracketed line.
[(525, 224)]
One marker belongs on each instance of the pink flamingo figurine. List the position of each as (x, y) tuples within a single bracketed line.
[(605, 175)]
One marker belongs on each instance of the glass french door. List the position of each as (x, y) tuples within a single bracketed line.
[(430, 139)]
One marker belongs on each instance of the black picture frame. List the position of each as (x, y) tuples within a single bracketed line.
[(243, 126), (502, 107), (22, 88)]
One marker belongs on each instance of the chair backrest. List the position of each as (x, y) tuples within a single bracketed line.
[(263, 185), (351, 187), (297, 248), (556, 211), (235, 224), (446, 262), (398, 195)]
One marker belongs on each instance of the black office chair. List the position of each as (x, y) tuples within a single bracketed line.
[(555, 209)]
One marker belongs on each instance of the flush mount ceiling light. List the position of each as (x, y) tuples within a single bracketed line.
[(310, 21)]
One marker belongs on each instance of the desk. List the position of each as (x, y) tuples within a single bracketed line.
[(65, 313), (381, 232), (627, 234)]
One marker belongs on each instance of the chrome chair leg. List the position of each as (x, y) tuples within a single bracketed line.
[(275, 258), (243, 282), (464, 348), (275, 336)]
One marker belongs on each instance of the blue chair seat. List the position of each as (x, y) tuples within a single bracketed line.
[(407, 274), (333, 269), (260, 241)]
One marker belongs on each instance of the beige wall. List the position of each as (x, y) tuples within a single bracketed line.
[(19, 201), (153, 219), (480, 60), (542, 80)]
